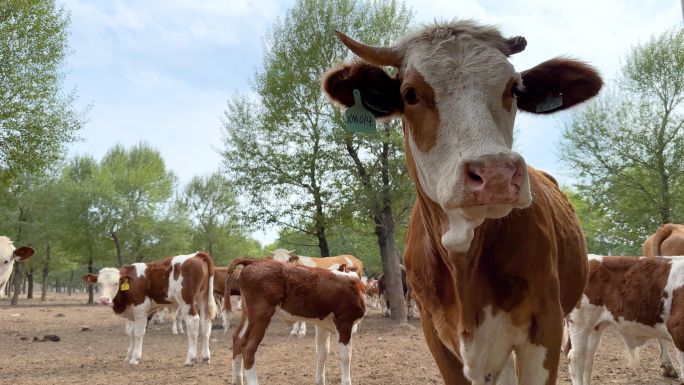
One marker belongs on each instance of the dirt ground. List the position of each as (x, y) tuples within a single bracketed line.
[(383, 352)]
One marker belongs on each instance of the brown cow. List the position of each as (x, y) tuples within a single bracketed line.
[(494, 253), (384, 297), (642, 297), (334, 301), (136, 290), (667, 241), (282, 255)]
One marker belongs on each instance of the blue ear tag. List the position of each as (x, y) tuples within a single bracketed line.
[(550, 103), (358, 118)]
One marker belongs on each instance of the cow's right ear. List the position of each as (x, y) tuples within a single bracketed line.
[(90, 278), (24, 252), (343, 268), (126, 279), (379, 91)]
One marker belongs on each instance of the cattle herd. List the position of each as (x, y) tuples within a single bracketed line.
[(495, 260)]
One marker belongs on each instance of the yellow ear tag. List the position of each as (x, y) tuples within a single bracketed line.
[(124, 286)]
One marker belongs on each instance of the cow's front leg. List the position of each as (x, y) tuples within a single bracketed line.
[(667, 369), (302, 330), (295, 329), (537, 357), (139, 328), (192, 323), (205, 332), (131, 340), (322, 350), (345, 361)]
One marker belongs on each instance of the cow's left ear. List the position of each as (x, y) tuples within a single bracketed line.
[(90, 278), (126, 279), (293, 259), (379, 92), (556, 85), (343, 268), (24, 252)]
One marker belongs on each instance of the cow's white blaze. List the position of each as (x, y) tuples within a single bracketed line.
[(108, 285)]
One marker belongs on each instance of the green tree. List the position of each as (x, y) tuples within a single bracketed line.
[(37, 119), (626, 149)]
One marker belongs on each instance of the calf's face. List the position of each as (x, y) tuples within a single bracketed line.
[(109, 282), (457, 95), (8, 254)]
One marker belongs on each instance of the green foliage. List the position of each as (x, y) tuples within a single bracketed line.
[(37, 119), (627, 147)]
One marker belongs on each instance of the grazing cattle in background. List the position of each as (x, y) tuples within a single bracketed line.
[(176, 321), (220, 288), (9, 254), (373, 293), (642, 297), (384, 297), (282, 255), (667, 241), (332, 300), (494, 252), (184, 281)]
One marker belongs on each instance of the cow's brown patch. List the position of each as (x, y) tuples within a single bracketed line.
[(176, 271), (422, 118)]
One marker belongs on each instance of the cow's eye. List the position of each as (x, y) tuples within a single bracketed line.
[(6, 262), (411, 97)]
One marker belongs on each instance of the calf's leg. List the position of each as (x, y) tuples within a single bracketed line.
[(322, 350), (131, 340), (139, 328), (237, 352), (302, 330), (295, 329), (667, 369), (192, 322), (205, 332)]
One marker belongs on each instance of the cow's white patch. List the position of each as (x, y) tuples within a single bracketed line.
[(251, 375), (674, 281), (306, 261), (140, 269), (6, 262), (350, 263), (237, 370), (594, 257), (345, 360), (176, 285), (244, 329), (485, 354), (326, 323)]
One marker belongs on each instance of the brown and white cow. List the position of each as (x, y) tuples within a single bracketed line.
[(373, 293), (494, 253), (667, 241), (282, 255), (220, 288), (642, 297), (9, 254), (332, 300), (385, 299), (136, 290)]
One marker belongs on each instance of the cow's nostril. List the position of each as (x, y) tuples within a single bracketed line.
[(474, 176)]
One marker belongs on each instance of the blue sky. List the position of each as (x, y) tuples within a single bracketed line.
[(162, 70)]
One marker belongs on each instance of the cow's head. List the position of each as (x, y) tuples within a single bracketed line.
[(282, 255), (109, 282), (9, 254), (457, 95), (342, 269)]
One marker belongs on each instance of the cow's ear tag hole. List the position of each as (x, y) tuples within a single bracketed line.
[(358, 118), (125, 286)]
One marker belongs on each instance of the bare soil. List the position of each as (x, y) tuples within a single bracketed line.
[(383, 352)]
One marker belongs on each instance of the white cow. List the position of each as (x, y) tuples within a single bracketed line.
[(9, 254)]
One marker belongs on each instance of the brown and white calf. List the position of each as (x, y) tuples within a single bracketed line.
[(642, 297), (494, 252), (185, 281), (373, 293), (282, 255), (8, 255), (332, 300), (384, 297)]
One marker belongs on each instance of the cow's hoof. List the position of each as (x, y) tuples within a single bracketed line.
[(133, 361), (668, 371), (127, 360), (206, 361), (293, 334), (301, 334), (190, 362), (174, 332)]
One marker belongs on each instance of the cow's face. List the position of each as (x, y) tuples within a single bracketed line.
[(457, 95), (109, 283), (8, 254), (282, 255)]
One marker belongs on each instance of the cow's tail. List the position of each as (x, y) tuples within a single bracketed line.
[(663, 232), (227, 307), (209, 300)]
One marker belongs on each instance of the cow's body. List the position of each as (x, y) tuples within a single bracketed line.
[(282, 255), (642, 297), (385, 299), (8, 255), (667, 241), (333, 301), (495, 254), (373, 293), (184, 281)]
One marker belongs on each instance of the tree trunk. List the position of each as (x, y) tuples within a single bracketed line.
[(90, 287), (115, 237), (23, 285), (18, 272), (46, 272), (71, 283), (29, 277), (57, 287), (390, 267)]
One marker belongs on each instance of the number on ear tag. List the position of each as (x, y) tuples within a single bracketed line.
[(358, 118), (550, 103), (124, 286)]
